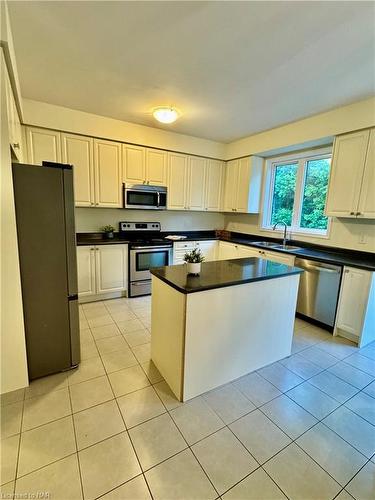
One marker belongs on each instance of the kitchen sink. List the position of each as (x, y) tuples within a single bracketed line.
[(270, 244), (287, 247)]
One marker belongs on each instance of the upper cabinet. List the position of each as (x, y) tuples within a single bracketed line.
[(156, 167), (134, 165), (196, 183), (144, 165), (242, 189), (178, 174), (352, 179), (96, 164), (366, 205), (79, 151), (107, 163), (43, 145), (214, 185)]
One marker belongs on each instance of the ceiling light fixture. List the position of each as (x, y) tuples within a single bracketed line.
[(165, 114)]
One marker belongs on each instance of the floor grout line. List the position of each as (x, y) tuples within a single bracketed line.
[(224, 426)]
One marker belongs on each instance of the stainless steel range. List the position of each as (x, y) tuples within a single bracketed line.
[(147, 249)]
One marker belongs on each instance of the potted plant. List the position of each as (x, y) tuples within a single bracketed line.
[(193, 260), (109, 231)]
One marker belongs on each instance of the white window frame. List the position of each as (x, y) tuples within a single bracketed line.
[(301, 158)]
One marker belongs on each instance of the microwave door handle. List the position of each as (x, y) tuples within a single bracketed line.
[(158, 202)]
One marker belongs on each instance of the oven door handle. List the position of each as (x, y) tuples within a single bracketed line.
[(151, 249)]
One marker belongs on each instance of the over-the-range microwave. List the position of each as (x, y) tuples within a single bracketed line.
[(145, 197)]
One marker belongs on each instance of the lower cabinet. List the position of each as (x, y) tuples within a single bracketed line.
[(102, 269), (207, 247), (232, 251), (355, 317)]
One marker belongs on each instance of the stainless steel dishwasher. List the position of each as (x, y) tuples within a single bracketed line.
[(318, 291)]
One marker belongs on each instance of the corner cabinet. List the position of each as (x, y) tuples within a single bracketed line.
[(243, 179), (355, 317), (352, 180), (102, 271)]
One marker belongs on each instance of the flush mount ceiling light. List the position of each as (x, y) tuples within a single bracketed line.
[(165, 114)]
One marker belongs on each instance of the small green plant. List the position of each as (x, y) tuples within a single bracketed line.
[(194, 257), (107, 229)]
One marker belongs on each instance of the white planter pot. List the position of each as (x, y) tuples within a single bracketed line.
[(193, 267)]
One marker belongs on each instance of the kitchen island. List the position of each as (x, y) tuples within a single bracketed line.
[(235, 317)]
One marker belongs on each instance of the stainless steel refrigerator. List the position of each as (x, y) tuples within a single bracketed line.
[(44, 202)]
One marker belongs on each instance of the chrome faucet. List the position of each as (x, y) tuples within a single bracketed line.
[(285, 229)]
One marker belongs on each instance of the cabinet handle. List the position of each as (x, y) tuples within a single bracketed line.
[(97, 249), (352, 213), (358, 213), (347, 271), (96, 203), (16, 145), (92, 203), (91, 249)]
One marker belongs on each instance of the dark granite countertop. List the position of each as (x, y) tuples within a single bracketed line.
[(223, 273), (330, 255)]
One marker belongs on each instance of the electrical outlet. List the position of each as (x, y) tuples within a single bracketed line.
[(362, 238)]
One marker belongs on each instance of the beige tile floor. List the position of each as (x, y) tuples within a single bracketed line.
[(302, 428)]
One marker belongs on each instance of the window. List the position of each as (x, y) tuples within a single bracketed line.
[(296, 191)]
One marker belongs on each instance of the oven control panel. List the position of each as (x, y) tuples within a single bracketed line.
[(140, 226)]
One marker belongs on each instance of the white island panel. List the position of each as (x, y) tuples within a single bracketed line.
[(235, 330)]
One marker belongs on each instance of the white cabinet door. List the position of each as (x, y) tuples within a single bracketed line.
[(86, 271), (79, 151), (208, 249), (107, 160), (156, 167), (196, 183), (214, 185), (278, 257), (43, 145), (348, 159), (134, 170), (177, 181), (244, 251), (353, 300), (111, 268), (366, 207), (227, 250), (243, 183), (230, 188)]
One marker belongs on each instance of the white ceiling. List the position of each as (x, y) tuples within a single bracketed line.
[(233, 68)]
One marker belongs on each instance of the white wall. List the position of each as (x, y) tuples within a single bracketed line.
[(91, 219), (41, 114), (344, 233), (13, 350), (308, 131)]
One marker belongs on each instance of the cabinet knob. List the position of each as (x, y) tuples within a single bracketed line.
[(96, 203), (352, 213), (16, 145), (92, 203), (358, 213), (346, 271)]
